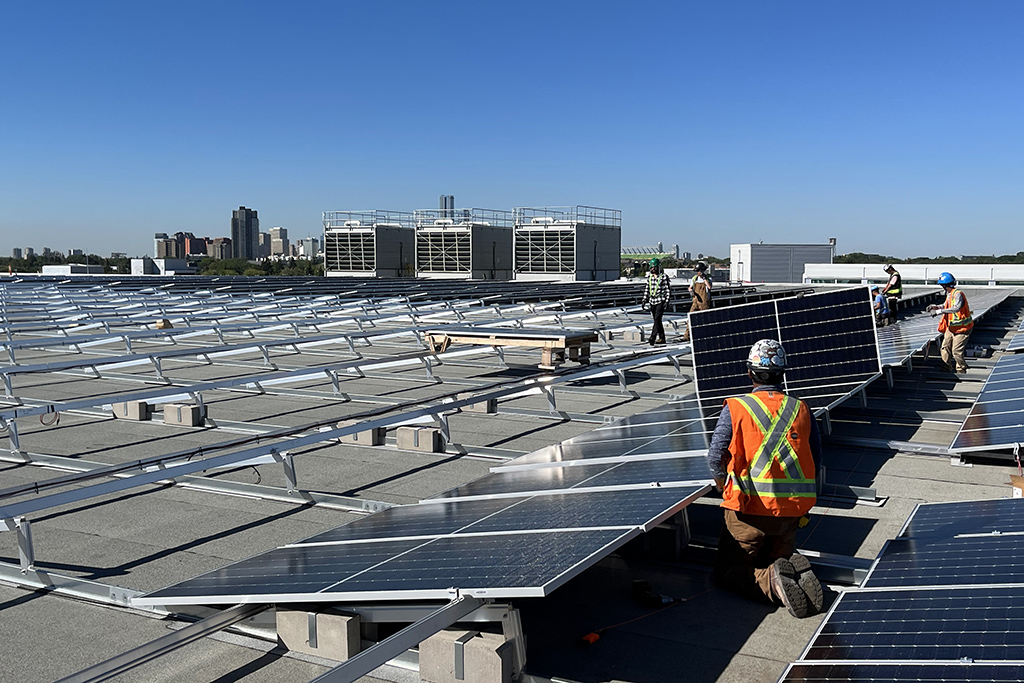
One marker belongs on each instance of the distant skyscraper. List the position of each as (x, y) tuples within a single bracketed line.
[(29, 252), (264, 245), (279, 242), (245, 234), (16, 252), (219, 247), (157, 239)]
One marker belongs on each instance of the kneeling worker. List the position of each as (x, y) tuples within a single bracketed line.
[(881, 307), (764, 455)]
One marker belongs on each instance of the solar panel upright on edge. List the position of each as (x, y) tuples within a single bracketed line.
[(919, 672), (829, 340), (996, 420)]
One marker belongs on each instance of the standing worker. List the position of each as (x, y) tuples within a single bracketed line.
[(764, 456), (656, 296), (956, 324), (700, 288), (893, 290)]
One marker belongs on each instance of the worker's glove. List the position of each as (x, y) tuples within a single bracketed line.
[(935, 313), (931, 307)]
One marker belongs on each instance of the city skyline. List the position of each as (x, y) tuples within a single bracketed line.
[(891, 126)]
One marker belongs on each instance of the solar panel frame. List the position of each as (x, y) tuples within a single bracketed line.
[(918, 671)]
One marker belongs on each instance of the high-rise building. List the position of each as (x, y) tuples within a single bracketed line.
[(29, 252), (156, 244), (264, 245), (245, 234), (279, 242), (166, 248), (219, 247), (16, 252), (46, 251), (195, 246), (307, 247), (76, 252)]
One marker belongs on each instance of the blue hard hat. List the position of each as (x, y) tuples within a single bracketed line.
[(946, 279)]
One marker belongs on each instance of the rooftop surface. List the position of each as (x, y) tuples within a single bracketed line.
[(147, 537)]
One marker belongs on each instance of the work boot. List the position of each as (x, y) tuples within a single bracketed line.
[(807, 581), (786, 590), (945, 367)]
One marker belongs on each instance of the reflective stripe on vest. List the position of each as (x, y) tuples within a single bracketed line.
[(775, 447), (653, 284)]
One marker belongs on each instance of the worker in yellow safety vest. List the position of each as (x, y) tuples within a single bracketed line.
[(956, 324), (765, 455)]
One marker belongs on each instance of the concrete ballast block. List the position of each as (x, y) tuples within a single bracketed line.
[(368, 437), (420, 439), (634, 335), (183, 414), (488, 405), (132, 410), (485, 657), (326, 633)]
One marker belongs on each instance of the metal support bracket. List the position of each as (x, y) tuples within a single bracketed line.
[(26, 551), (512, 627), (460, 653), (549, 391), (446, 431)]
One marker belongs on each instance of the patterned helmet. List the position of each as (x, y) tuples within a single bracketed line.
[(767, 355), (947, 279)]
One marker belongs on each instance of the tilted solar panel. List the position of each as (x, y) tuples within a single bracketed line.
[(946, 520), (930, 624), (963, 561), (996, 420)]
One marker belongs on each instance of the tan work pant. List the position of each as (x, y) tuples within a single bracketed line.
[(748, 546), (954, 345), (701, 297)]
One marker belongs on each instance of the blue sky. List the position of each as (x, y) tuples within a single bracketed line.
[(896, 127)]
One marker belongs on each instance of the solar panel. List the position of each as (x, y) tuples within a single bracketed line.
[(923, 624), (996, 420), (506, 565), (1002, 515), (1016, 343), (964, 561), (607, 474), (829, 340), (923, 672)]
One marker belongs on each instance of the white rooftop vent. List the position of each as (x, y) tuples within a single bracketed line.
[(352, 224), (542, 219), (444, 221)]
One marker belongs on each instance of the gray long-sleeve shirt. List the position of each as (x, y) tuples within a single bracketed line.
[(718, 453), (958, 303)]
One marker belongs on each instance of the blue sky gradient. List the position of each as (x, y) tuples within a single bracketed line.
[(894, 126)]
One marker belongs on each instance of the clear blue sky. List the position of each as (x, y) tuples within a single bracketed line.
[(897, 127)]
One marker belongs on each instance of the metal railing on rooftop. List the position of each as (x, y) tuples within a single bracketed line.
[(526, 216)]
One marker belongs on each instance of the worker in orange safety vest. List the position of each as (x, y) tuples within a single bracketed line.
[(956, 324), (765, 455)]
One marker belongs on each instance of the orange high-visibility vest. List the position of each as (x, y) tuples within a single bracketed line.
[(960, 321), (771, 471)]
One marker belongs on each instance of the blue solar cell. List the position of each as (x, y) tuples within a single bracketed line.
[(816, 672), (940, 624), (946, 520), (973, 560)]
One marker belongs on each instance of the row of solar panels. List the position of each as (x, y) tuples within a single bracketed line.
[(538, 520), (941, 602)]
